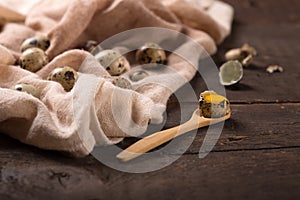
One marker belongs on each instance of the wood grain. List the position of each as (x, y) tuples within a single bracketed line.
[(156, 139), (221, 175), (230, 175)]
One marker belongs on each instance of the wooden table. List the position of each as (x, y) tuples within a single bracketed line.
[(256, 157)]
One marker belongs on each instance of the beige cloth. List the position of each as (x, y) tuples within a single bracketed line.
[(96, 112)]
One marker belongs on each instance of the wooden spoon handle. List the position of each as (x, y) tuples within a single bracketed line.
[(150, 142)]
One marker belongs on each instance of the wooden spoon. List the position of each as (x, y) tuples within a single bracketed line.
[(150, 142)]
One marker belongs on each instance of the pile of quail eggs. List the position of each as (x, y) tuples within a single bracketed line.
[(34, 58), (116, 64)]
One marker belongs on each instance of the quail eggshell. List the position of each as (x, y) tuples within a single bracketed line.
[(249, 49), (247, 61), (231, 73), (213, 105), (274, 68), (234, 54)]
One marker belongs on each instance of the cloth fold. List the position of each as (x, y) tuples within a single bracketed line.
[(96, 112)]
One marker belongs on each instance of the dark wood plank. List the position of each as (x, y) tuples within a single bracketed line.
[(234, 175), (266, 12), (43, 175), (257, 127), (273, 28), (230, 175)]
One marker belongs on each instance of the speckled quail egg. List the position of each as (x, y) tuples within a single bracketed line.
[(112, 61), (122, 82), (66, 76), (39, 41), (33, 59), (151, 53), (27, 88), (213, 105), (138, 75)]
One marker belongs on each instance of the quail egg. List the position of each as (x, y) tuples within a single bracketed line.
[(213, 105), (66, 76), (112, 61), (151, 53), (27, 88), (122, 82), (39, 41), (138, 75), (33, 59)]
